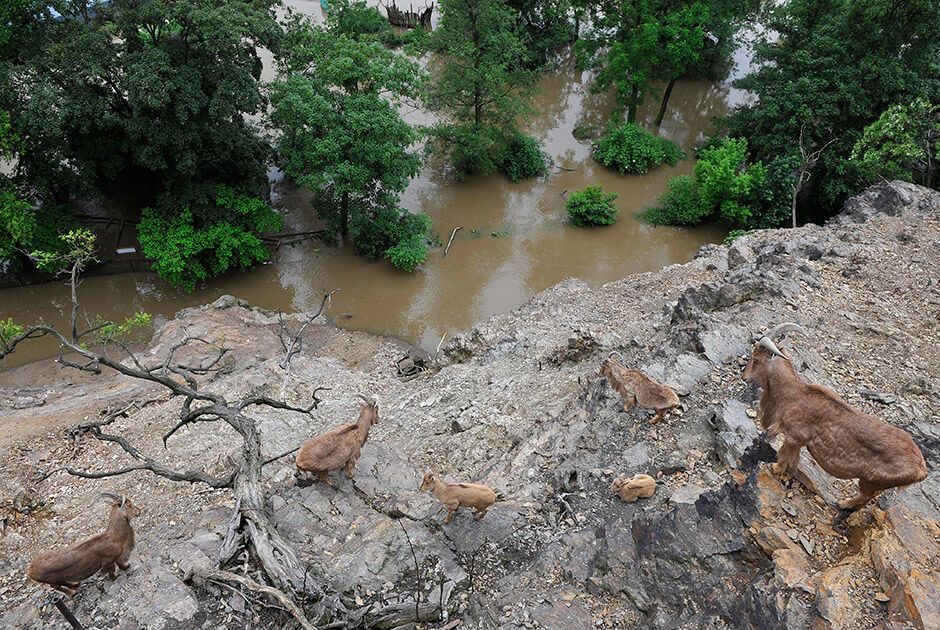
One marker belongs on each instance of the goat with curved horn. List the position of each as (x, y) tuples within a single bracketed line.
[(768, 343), (786, 327)]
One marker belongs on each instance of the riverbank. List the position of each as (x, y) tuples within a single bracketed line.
[(515, 403)]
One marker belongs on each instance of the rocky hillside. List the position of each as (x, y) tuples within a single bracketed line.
[(516, 403)]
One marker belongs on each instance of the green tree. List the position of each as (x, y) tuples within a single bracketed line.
[(628, 148), (152, 97), (547, 26), (902, 143), (830, 68), (184, 253), (341, 135), (482, 85), (683, 43), (726, 182)]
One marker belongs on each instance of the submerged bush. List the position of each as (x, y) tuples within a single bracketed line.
[(591, 206), (679, 205), (631, 149), (185, 251), (394, 233), (524, 159)]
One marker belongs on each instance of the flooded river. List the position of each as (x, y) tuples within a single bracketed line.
[(514, 241)]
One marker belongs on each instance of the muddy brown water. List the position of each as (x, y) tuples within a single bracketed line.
[(483, 274)]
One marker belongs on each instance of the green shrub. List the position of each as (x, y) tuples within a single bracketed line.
[(631, 149), (734, 235), (727, 185), (679, 205), (409, 253), (524, 159), (591, 206), (184, 251), (9, 329)]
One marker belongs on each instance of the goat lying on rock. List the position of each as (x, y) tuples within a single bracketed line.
[(630, 489), (637, 388), (64, 569), (456, 495), (339, 448), (846, 442)]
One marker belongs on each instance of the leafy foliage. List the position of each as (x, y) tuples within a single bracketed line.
[(185, 250), (357, 20), (376, 233), (17, 225), (631, 149), (340, 131), (546, 26), (524, 159), (734, 235), (152, 97), (902, 142), (9, 329), (726, 183), (76, 251), (482, 85), (831, 68), (680, 204), (110, 331), (591, 206), (409, 253)]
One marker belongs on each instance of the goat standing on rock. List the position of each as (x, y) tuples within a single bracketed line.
[(637, 388), (846, 442), (456, 495), (64, 569), (339, 448)]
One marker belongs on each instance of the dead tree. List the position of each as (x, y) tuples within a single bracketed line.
[(250, 527), (802, 174)]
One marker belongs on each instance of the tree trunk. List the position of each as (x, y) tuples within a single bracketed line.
[(666, 95), (634, 103)]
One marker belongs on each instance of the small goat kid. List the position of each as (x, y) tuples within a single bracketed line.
[(339, 448), (846, 442), (64, 569), (630, 489), (638, 389), (456, 495)]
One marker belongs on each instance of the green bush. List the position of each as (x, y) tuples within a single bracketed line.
[(631, 149), (734, 235), (409, 253), (524, 159), (726, 183), (184, 251), (679, 205), (591, 206)]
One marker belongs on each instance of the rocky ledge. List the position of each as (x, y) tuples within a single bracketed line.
[(516, 403)]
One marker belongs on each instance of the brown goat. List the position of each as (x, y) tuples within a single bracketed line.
[(456, 495), (64, 569), (339, 448), (846, 442), (637, 388), (630, 489)]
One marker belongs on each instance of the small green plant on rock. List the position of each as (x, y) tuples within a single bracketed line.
[(591, 206)]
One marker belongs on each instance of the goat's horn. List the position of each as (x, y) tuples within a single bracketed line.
[(108, 495), (785, 327), (770, 345), (615, 354), (368, 400), (123, 500)]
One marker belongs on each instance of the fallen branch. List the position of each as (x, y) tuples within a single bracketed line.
[(217, 575), (451, 240)]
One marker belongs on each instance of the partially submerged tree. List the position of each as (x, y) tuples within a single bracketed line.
[(336, 107), (482, 85)]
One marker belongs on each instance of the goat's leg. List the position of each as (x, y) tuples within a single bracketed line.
[(450, 513), (787, 457), (111, 571), (479, 514), (124, 565), (629, 404), (866, 491), (350, 467), (658, 416), (323, 477), (64, 588)]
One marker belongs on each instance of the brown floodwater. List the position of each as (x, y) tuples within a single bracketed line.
[(514, 241)]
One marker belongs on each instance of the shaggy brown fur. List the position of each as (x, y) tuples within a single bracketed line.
[(637, 388), (846, 442), (630, 489), (339, 448), (64, 569), (456, 495)]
